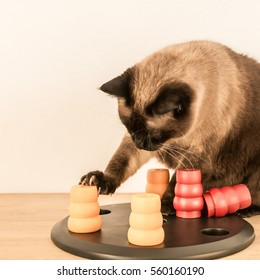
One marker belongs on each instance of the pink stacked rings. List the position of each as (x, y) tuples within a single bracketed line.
[(226, 200), (188, 200)]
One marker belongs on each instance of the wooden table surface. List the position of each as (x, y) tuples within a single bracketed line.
[(26, 221)]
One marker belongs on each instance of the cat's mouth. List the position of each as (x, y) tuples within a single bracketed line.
[(149, 147)]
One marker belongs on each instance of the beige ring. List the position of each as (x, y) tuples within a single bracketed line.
[(87, 225), (83, 194), (145, 237), (84, 210), (146, 221), (146, 203)]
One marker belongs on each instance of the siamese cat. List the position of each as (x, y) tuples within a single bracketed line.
[(190, 105)]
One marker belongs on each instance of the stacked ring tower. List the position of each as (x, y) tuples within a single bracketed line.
[(188, 201), (146, 220), (226, 200), (157, 180), (84, 210)]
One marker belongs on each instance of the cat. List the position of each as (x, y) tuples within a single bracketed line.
[(190, 105)]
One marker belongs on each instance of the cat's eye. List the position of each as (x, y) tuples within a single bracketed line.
[(179, 109), (172, 98), (164, 104), (163, 111)]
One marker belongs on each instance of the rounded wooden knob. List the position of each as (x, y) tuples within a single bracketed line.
[(146, 203), (209, 206), (158, 176), (83, 194), (188, 190), (84, 210), (145, 237), (84, 225), (221, 207), (244, 195), (188, 204), (188, 176), (146, 221), (232, 198), (188, 214)]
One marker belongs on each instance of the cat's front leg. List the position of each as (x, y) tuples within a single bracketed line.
[(124, 163), (167, 198)]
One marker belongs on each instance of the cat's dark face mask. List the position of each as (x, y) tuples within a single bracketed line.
[(143, 136), (167, 116)]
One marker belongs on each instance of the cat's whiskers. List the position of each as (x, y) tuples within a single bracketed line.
[(136, 134), (183, 155), (160, 153), (194, 155), (175, 150), (171, 153)]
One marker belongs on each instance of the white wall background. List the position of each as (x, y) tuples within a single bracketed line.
[(54, 123)]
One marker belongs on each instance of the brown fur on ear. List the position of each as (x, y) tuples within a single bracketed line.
[(119, 86)]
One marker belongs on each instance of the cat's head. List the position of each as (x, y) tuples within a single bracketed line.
[(153, 103)]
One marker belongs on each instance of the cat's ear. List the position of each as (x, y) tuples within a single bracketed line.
[(119, 86)]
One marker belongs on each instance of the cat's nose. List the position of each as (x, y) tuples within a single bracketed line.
[(139, 141), (145, 145)]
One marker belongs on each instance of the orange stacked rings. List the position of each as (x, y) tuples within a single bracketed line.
[(145, 220), (84, 210)]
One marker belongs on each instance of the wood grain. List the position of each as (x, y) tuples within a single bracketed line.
[(26, 221)]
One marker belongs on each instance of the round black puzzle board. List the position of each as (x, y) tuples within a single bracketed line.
[(201, 238)]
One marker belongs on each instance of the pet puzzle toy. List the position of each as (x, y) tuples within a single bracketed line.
[(137, 230)]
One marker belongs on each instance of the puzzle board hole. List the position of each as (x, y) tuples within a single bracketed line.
[(214, 231), (104, 212)]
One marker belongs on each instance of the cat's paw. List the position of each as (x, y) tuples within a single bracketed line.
[(104, 183), (167, 208)]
